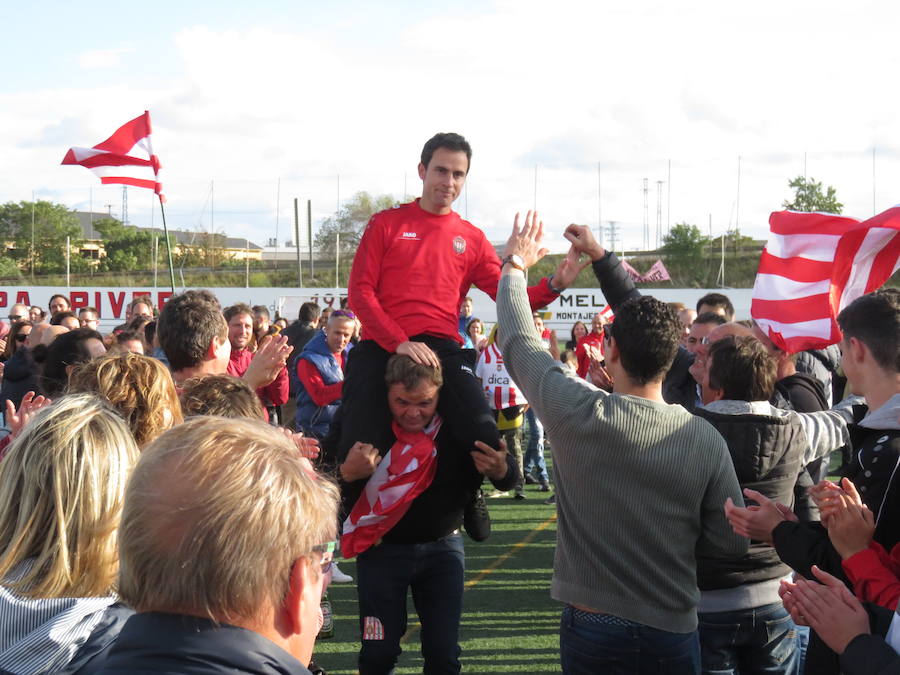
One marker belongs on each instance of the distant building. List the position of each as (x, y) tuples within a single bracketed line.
[(229, 247)]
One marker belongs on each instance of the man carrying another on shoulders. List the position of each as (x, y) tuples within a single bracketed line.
[(406, 506)]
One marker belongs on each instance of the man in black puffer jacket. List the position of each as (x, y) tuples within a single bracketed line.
[(743, 625)]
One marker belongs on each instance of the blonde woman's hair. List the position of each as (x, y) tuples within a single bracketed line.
[(139, 387), (62, 486), (216, 513), (222, 395)]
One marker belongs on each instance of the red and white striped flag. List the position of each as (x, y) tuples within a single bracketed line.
[(403, 474), (813, 266), (113, 161)]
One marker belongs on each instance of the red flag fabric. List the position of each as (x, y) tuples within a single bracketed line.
[(814, 265), (402, 475), (113, 160), (607, 313)]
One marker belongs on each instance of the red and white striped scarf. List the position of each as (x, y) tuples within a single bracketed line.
[(403, 474)]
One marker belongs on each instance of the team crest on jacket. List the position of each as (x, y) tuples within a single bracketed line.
[(459, 245)]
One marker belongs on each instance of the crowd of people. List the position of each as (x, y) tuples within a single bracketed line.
[(173, 494)]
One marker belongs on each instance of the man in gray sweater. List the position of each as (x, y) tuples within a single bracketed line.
[(641, 483)]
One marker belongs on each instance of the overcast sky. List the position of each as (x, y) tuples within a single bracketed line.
[(244, 94)]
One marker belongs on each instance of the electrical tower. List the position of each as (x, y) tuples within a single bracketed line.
[(646, 216), (124, 204), (612, 230)]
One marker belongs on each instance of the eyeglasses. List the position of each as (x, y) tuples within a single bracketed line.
[(344, 312), (327, 550), (14, 317)]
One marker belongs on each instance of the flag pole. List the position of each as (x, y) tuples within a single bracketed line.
[(162, 210)]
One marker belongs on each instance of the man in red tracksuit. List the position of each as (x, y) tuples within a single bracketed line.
[(239, 318), (414, 266)]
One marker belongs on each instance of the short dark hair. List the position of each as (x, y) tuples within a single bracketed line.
[(403, 370), (710, 317), (262, 309), (129, 335), (89, 309), (67, 349), (647, 333), (741, 367), (448, 141), (142, 300), (222, 395), (187, 325), (236, 310), (717, 300), (57, 319), (58, 295), (309, 312), (874, 320)]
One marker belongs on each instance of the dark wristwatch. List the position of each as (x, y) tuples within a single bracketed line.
[(515, 260)]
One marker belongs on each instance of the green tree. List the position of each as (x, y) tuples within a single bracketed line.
[(809, 196), (682, 249), (350, 221), (53, 223), (127, 248)]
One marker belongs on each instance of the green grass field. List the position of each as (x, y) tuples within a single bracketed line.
[(509, 625)]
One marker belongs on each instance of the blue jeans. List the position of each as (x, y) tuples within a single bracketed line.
[(622, 647), (435, 572), (759, 640), (534, 453)]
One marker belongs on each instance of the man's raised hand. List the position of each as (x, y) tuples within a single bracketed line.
[(569, 268), (268, 361), (525, 241), (583, 241)]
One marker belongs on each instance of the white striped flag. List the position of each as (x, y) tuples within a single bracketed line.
[(113, 161), (813, 266)]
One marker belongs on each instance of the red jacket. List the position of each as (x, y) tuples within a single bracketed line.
[(875, 575), (584, 361), (275, 393), (413, 269)]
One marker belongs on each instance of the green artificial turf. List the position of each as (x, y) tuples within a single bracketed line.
[(509, 625)]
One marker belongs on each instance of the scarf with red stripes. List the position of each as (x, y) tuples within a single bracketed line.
[(403, 474)]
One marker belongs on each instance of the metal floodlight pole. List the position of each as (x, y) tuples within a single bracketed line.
[(297, 241)]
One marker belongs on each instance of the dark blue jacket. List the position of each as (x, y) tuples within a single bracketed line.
[(311, 418), (166, 644)]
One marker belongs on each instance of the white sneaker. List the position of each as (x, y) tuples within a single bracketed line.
[(339, 577)]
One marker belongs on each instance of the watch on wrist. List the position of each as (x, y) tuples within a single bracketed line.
[(515, 260)]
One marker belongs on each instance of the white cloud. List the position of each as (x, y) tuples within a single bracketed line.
[(563, 87), (101, 58)]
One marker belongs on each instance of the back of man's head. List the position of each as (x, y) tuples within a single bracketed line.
[(187, 325), (874, 320), (216, 513), (449, 141), (716, 302), (309, 312), (741, 368), (647, 334), (403, 370)]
